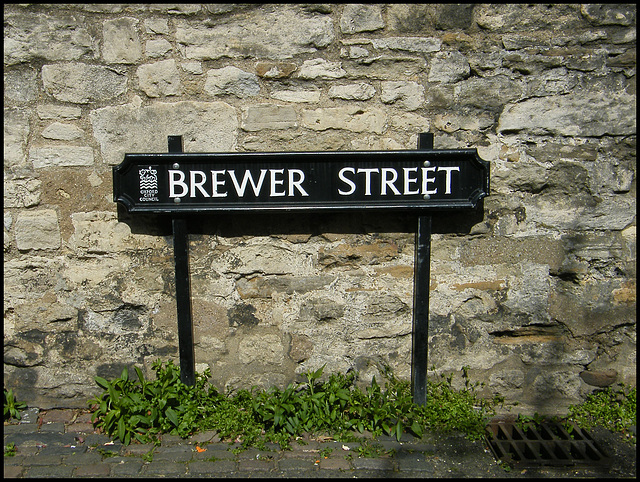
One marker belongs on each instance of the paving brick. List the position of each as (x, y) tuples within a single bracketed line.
[(49, 471), (212, 467), (335, 463), (165, 468), (252, 465), (12, 471), (127, 467), (96, 470)]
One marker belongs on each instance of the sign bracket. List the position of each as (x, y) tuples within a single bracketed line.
[(183, 286)]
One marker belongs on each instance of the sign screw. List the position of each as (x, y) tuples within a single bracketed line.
[(426, 196), (427, 163), (176, 166), (176, 200)]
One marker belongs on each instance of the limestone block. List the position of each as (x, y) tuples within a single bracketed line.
[(61, 156), (407, 95), (489, 93), (205, 127), (37, 230), (267, 286), (16, 131), (59, 112), (62, 132), (21, 193), (21, 85), (574, 114), (321, 310), (268, 116), (82, 83), (408, 44), (449, 67), (599, 378), (156, 48), (29, 277), (297, 95), (281, 32), (231, 81), (100, 232), (263, 348), (320, 69), (56, 37), (361, 91), (361, 18), (160, 78), (265, 256), (156, 25), (351, 118), (121, 42)]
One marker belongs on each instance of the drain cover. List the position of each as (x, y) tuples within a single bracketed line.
[(546, 443)]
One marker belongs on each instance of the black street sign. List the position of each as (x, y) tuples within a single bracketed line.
[(422, 180)]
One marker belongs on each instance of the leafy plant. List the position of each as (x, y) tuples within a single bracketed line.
[(143, 409), (614, 409), (12, 407), (10, 449)]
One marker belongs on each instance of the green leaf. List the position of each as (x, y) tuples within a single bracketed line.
[(398, 430), (172, 416), (121, 429), (140, 375), (416, 428), (102, 383)]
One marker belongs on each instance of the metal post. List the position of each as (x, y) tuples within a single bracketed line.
[(422, 269), (183, 287)]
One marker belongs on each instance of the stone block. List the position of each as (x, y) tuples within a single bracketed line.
[(121, 43), (37, 230), (268, 116), (205, 127), (81, 83), (231, 81), (297, 34), (160, 78)]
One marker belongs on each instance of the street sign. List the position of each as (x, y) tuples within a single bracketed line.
[(422, 180)]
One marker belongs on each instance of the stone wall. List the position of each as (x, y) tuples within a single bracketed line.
[(535, 292)]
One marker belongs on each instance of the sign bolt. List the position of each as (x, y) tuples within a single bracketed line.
[(426, 196), (427, 163), (176, 166)]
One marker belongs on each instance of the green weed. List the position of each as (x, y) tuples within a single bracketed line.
[(12, 407)]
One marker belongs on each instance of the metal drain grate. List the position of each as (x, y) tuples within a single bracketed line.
[(546, 443)]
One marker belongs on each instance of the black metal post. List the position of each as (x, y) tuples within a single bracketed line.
[(421, 275), (183, 288)]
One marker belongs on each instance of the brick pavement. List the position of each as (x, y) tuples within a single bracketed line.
[(62, 443)]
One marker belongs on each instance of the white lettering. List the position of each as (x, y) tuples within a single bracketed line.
[(352, 185), (179, 182), (448, 177), (197, 184), (215, 182), (426, 180), (276, 182), (367, 179), (293, 183), (247, 177), (408, 181), (388, 182)]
